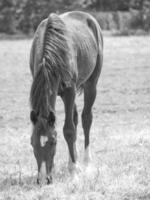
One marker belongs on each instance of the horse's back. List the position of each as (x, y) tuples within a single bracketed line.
[(84, 39), (85, 32)]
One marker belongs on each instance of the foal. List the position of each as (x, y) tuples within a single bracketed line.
[(66, 56)]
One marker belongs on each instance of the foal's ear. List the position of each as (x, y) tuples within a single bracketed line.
[(51, 118), (33, 117)]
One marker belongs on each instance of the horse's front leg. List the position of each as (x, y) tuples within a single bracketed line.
[(69, 128)]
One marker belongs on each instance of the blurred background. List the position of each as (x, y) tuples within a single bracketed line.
[(118, 16)]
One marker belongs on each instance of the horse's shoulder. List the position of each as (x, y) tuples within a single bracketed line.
[(40, 31)]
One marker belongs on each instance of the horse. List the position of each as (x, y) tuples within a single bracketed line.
[(66, 58)]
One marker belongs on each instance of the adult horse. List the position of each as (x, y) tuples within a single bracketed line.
[(66, 56)]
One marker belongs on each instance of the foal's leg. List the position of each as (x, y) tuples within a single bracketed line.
[(89, 98), (75, 120), (70, 124), (75, 116)]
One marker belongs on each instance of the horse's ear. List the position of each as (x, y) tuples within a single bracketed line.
[(51, 118), (33, 117)]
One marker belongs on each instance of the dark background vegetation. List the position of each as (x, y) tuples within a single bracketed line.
[(23, 16)]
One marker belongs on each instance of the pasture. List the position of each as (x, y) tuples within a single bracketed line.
[(120, 134)]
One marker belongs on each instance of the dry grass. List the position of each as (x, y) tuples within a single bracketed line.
[(120, 135)]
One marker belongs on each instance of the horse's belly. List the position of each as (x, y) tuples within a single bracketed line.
[(86, 65)]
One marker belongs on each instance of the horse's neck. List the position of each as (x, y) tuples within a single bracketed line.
[(49, 100)]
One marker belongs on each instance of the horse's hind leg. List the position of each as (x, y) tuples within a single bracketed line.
[(75, 120), (70, 124), (89, 98)]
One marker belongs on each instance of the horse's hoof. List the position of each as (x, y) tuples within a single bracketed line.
[(49, 180), (38, 181), (87, 157), (87, 162), (75, 168)]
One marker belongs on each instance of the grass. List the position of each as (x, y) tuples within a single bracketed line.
[(120, 134)]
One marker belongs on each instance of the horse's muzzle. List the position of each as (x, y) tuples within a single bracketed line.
[(43, 176), (49, 180)]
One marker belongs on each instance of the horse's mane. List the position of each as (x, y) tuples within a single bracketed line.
[(54, 64), (56, 49)]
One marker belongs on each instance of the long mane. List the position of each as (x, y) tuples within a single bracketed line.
[(54, 65)]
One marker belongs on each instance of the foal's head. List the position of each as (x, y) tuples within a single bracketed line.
[(43, 141)]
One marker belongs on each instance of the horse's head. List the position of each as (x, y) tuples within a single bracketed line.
[(43, 141)]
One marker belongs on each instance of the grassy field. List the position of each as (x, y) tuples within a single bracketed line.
[(120, 135)]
